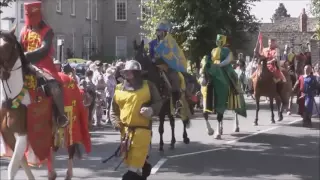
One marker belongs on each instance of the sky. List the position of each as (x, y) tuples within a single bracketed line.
[(264, 9)]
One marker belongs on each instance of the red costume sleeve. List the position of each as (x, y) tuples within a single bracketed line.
[(83, 115)]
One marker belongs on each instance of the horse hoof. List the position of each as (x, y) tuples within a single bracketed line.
[(210, 132), (186, 140), (237, 129), (255, 123), (288, 113), (52, 175), (273, 121), (68, 176), (218, 136), (161, 149), (280, 119)]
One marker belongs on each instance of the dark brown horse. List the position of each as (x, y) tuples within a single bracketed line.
[(153, 75), (264, 85)]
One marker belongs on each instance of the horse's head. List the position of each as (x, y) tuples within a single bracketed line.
[(141, 55), (9, 53)]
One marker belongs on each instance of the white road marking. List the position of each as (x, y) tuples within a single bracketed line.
[(156, 168)]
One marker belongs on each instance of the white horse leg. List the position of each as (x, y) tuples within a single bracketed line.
[(289, 106), (236, 123), (18, 154), (219, 130), (210, 131), (70, 169), (52, 174), (27, 170)]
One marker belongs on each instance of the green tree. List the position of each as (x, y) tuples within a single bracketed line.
[(280, 12), (196, 23), (315, 7), (5, 3)]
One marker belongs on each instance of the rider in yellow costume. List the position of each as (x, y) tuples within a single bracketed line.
[(135, 101)]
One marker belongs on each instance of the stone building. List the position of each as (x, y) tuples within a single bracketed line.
[(294, 31)]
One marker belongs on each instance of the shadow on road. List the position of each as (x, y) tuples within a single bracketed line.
[(270, 155)]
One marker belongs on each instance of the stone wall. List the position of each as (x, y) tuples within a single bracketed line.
[(315, 51)]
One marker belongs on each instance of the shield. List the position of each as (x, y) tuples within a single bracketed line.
[(172, 54), (39, 124)]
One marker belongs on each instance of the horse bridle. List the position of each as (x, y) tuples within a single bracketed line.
[(4, 64)]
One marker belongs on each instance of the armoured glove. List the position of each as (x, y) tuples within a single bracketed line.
[(146, 112)]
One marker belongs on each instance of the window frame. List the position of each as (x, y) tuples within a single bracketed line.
[(141, 10), (89, 9), (62, 37), (22, 16), (96, 10), (88, 40), (116, 10), (126, 48), (73, 7), (59, 6)]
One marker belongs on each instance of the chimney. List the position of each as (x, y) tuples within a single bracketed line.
[(303, 21)]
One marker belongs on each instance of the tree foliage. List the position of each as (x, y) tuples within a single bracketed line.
[(195, 24), (315, 7), (5, 3), (280, 12)]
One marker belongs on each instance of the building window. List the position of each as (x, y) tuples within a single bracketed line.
[(145, 11), (96, 10), (121, 46), (58, 7), (88, 9), (60, 48), (121, 10), (22, 12), (73, 8), (86, 46)]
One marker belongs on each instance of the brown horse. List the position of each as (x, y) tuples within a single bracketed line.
[(264, 85), (25, 113)]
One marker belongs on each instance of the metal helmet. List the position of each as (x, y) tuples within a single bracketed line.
[(132, 65), (163, 26)]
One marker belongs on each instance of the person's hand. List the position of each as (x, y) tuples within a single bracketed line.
[(146, 112)]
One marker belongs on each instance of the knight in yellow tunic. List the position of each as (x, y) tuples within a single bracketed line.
[(135, 101)]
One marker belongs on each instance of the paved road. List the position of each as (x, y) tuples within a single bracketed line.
[(283, 151)]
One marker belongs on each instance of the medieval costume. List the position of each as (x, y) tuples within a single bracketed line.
[(222, 85), (36, 39), (134, 103), (172, 66), (306, 86)]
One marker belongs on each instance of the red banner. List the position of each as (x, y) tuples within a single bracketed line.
[(39, 124)]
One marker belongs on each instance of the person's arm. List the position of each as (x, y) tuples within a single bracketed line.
[(296, 85), (115, 114), (227, 60), (38, 54)]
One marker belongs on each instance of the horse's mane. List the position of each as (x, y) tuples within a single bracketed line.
[(24, 62)]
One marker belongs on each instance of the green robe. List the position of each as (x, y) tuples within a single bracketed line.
[(226, 92)]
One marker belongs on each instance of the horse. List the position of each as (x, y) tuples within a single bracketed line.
[(208, 101), (23, 124), (264, 85), (154, 75)]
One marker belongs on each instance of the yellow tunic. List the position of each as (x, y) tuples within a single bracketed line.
[(130, 103)]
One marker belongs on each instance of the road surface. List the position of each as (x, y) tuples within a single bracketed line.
[(282, 151)]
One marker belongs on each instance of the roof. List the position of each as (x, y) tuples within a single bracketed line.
[(288, 24)]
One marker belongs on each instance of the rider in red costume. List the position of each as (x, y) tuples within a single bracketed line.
[(36, 39)]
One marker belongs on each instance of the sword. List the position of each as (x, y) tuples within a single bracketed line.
[(116, 153)]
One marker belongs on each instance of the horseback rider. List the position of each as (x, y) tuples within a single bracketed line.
[(135, 101), (175, 78), (36, 39), (272, 55)]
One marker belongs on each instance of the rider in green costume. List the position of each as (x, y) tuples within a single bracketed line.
[(222, 81)]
